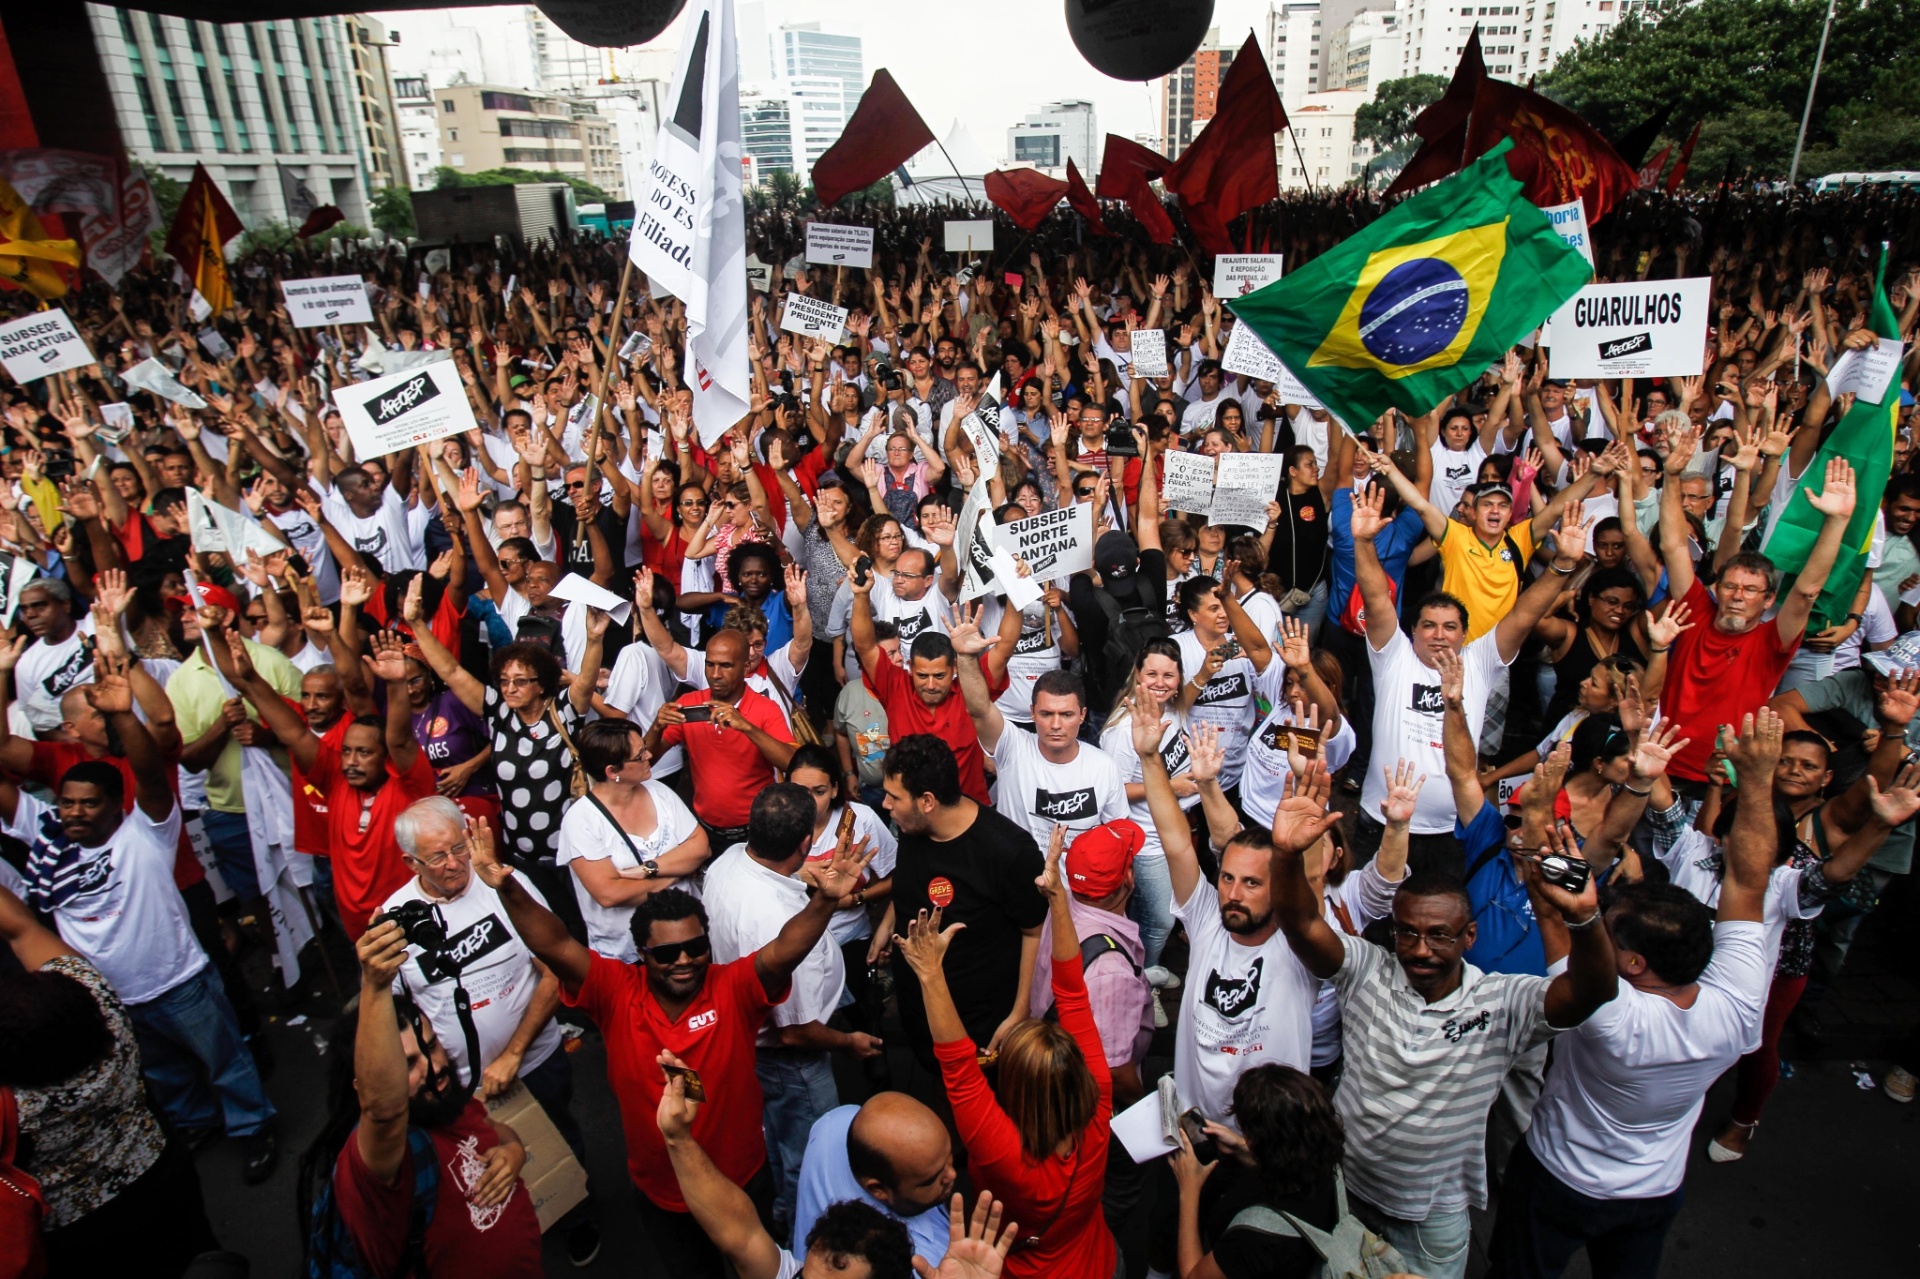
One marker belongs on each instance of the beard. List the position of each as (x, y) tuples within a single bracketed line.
[(1242, 921), (433, 1107)]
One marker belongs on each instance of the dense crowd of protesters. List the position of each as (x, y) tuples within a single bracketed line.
[(1500, 733)]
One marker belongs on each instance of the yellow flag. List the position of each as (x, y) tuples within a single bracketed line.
[(26, 255), (211, 276)]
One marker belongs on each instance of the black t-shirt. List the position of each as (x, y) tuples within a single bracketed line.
[(576, 552), (1299, 553), (1147, 588), (982, 878), (1255, 1254)]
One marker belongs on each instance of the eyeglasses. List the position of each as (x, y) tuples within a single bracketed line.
[(1435, 938), (668, 953), (515, 682), (513, 563), (900, 572), (576, 484), (434, 861)]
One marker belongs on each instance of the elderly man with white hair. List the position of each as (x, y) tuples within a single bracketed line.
[(462, 948)]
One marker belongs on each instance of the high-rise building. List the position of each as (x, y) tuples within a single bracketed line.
[(561, 63), (1188, 95), (802, 51), (419, 116), (265, 106), (1518, 40), (484, 127), (814, 82), (766, 131), (1364, 53), (1318, 149), (382, 157), (1054, 133), (1294, 49)]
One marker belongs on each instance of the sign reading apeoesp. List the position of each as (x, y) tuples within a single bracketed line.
[(1653, 328), (41, 344), (416, 406)]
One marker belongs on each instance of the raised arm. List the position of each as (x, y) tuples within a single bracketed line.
[(539, 927), (469, 690), (1432, 518), (1681, 445), (774, 962), (1169, 820), (1456, 738), (285, 723), (721, 1208), (1376, 589), (1835, 502), (968, 644), (1569, 548), (390, 666), (1591, 978), (111, 693), (1298, 824)]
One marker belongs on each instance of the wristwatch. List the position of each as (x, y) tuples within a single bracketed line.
[(650, 865)]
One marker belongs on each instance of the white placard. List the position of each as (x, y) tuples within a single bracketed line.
[(969, 237), (1247, 354), (973, 535), (1243, 484), (396, 412), (1054, 543), (832, 244), (1189, 483), (151, 375), (214, 344), (589, 592), (1866, 374), (44, 343), (1294, 391), (812, 318), (225, 531), (1021, 592), (1149, 349), (1238, 274), (329, 299), (15, 572), (1654, 328), (986, 449), (759, 275), (1570, 224)]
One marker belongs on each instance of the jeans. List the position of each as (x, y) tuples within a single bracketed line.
[(1152, 904), (1434, 1249), (189, 1037), (1543, 1222), (798, 1086), (232, 851)]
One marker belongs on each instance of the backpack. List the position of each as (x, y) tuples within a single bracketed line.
[(331, 1253), (1350, 1251), (1091, 948), (1128, 630)]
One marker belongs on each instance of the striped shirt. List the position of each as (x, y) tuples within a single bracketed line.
[(1421, 1076)]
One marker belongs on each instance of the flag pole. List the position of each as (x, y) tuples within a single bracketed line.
[(1813, 86), (956, 169), (600, 410), (1301, 156)]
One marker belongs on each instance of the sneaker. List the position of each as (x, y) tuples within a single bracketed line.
[(1162, 978), (583, 1244), (1159, 1012), (1898, 1084), (1720, 1154), (262, 1153)]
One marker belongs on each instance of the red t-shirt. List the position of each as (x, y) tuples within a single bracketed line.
[(728, 768), (664, 557), (949, 721), (366, 864), (444, 624), (1714, 678), (501, 1242), (309, 801), (714, 1036), (1057, 1197), (51, 760)]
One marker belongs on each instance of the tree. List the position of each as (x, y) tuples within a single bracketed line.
[(392, 210), (1387, 121), (445, 179), (272, 235)]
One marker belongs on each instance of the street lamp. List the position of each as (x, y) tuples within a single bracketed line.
[(1793, 175)]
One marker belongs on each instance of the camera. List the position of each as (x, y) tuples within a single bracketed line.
[(422, 922), (1120, 440), (862, 570), (1569, 873), (701, 714)]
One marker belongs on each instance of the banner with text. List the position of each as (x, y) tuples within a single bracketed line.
[(1149, 347), (1238, 274), (39, 345), (1243, 484), (1055, 543), (831, 244), (329, 299), (1189, 483), (1654, 328), (1570, 224), (812, 318), (396, 412)]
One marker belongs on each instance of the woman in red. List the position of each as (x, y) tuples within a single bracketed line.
[(1039, 1140)]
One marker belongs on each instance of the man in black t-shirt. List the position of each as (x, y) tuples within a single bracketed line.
[(1130, 579), (979, 869)]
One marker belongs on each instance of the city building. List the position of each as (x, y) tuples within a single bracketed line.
[(1321, 126), (1188, 95), (561, 63), (1054, 133), (419, 116), (766, 131), (802, 51), (1363, 54), (1518, 40), (489, 127), (1293, 49), (267, 107), (382, 156)]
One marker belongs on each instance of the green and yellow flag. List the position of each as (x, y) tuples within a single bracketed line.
[(1416, 306), (1865, 438)]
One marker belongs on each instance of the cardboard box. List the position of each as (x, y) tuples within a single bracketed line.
[(552, 1175)]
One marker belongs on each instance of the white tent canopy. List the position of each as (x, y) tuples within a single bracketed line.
[(934, 179)]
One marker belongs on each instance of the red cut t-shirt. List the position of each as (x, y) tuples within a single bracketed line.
[(444, 624), (366, 864), (949, 721), (500, 1242), (728, 769), (309, 801), (51, 760), (714, 1036), (1714, 678)]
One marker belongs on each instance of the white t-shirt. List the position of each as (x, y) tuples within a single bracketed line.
[(116, 905), (1407, 715), (1627, 1084), (1226, 702), (1264, 776), (1695, 864), (747, 906), (1039, 794), (1266, 615), (1452, 473), (395, 534), (911, 617), (852, 923), (304, 533), (46, 672), (1176, 753), (640, 685), (585, 833), (1243, 1006), (491, 961), (1036, 652)]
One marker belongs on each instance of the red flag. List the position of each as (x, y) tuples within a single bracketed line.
[(1648, 175), (1082, 200), (320, 219), (1027, 195), (1127, 170), (1680, 166), (1557, 154), (884, 133), (1443, 125), (1232, 166), (197, 240)]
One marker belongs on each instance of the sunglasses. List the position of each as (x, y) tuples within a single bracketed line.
[(669, 953)]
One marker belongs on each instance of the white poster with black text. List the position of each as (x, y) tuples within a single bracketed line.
[(1651, 328), (393, 413)]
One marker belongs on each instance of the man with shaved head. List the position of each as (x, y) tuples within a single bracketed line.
[(892, 1154)]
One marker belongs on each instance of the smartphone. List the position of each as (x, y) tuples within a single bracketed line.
[(862, 570), (696, 1091), (1194, 1125), (701, 714), (1229, 650)]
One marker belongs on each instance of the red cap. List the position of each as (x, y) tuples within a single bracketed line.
[(219, 596), (1097, 860)]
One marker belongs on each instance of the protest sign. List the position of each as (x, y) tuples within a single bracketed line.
[(224, 531), (1055, 543), (1189, 483), (1243, 484), (1021, 592), (1247, 354), (759, 275), (214, 344), (40, 344), (15, 572), (812, 318), (972, 542), (1238, 274), (403, 409), (1866, 374), (1149, 349), (328, 299), (969, 237), (831, 244), (1293, 391), (986, 448), (1570, 224), (152, 376), (575, 587), (1655, 328)]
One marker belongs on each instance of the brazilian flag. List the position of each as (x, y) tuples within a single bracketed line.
[(1416, 306)]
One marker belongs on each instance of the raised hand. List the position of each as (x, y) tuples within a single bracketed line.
[(111, 590), (1367, 519), (1145, 721), (356, 586), (389, 660), (1403, 792), (1664, 627), (976, 1251), (1050, 881), (966, 637), (1303, 816), (243, 672), (1295, 649), (1836, 497), (486, 858), (1453, 677), (111, 693), (1755, 750), (925, 945), (1901, 800), (1897, 703), (1656, 750), (1574, 908)]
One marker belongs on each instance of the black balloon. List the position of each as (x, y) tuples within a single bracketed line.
[(613, 24), (1137, 39)]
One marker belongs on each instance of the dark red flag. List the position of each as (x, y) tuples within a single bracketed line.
[(1232, 166), (1127, 170), (1027, 195), (185, 235), (1442, 127), (884, 133), (1082, 200), (1648, 175), (1680, 166), (1557, 154), (320, 219)]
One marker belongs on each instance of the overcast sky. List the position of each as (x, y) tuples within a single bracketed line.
[(984, 62)]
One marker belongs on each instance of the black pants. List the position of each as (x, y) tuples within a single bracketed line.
[(1544, 1222), (819, 690), (153, 1227), (684, 1250), (1441, 852), (867, 1012)]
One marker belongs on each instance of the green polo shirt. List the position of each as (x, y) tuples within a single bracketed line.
[(198, 695)]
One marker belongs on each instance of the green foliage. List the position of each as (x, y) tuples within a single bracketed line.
[(274, 236), (392, 210), (167, 192), (586, 192), (1387, 119)]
